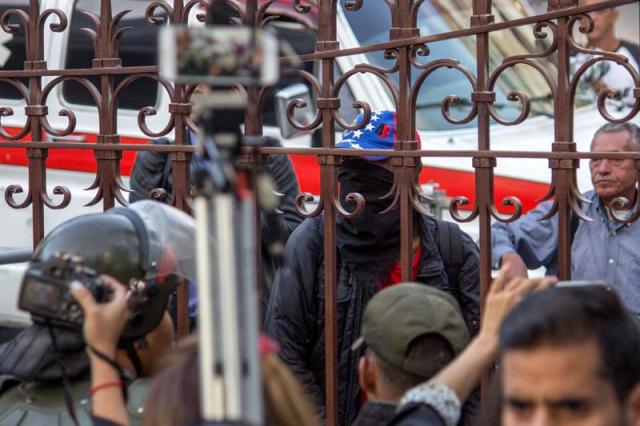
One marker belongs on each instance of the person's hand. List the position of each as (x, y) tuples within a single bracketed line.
[(103, 322), (503, 295), (515, 266)]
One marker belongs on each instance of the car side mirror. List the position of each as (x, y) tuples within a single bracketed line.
[(283, 98)]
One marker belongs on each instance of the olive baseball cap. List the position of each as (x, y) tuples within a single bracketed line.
[(399, 314)]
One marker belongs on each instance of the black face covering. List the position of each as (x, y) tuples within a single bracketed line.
[(371, 236)]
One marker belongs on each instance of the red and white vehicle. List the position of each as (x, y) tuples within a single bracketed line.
[(75, 169)]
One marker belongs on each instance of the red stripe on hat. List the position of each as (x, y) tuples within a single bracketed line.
[(385, 131)]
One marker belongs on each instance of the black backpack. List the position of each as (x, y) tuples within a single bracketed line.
[(451, 249)]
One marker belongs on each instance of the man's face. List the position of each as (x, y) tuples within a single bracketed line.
[(558, 386), (613, 178), (603, 21)]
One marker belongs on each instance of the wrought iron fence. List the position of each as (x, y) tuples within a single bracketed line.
[(105, 80)]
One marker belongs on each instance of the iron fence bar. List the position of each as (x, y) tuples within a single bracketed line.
[(80, 72), (403, 27), (326, 103), (540, 155), (483, 167), (253, 127), (563, 171), (458, 33), (180, 109), (34, 59)]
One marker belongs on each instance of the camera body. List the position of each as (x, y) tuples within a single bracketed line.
[(45, 290)]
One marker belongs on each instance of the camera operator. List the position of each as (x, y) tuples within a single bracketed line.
[(46, 368), (173, 397)]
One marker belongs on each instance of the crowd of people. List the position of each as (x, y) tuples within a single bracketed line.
[(409, 353)]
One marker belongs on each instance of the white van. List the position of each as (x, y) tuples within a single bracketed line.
[(528, 179)]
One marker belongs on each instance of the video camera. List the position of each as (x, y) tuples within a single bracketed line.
[(45, 290)]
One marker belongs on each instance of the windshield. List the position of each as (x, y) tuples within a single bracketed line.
[(371, 25)]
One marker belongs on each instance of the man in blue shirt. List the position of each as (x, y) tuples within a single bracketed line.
[(602, 249)]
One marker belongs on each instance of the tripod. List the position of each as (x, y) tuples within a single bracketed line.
[(230, 385)]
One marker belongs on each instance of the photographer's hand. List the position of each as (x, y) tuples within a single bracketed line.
[(103, 324)]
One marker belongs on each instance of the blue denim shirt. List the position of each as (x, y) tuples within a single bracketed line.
[(602, 249)]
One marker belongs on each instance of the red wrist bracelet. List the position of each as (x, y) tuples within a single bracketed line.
[(96, 388)]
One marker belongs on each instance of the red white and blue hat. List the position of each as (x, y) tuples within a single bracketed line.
[(379, 133)]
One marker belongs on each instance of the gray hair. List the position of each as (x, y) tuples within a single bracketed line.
[(632, 129)]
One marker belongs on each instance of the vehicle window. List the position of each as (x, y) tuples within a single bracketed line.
[(302, 40), (371, 25), (346, 110), (12, 49), (138, 47)]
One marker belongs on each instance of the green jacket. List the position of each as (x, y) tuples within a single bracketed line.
[(38, 404)]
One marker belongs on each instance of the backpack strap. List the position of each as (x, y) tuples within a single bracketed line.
[(451, 249)]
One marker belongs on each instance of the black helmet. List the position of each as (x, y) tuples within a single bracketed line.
[(148, 241), (148, 245), (107, 243)]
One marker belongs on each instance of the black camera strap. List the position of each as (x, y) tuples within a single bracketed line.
[(68, 398), (135, 359)]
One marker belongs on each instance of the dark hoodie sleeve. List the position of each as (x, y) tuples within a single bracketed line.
[(286, 183), (417, 415), (151, 170), (292, 312)]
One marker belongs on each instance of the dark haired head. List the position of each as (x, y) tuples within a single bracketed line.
[(431, 349), (632, 129), (565, 316), (220, 12)]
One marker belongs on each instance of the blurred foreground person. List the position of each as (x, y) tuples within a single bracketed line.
[(570, 356), (174, 394), (410, 332), (46, 367), (603, 249), (285, 402), (368, 260)]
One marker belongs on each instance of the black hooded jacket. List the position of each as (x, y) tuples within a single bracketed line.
[(295, 315)]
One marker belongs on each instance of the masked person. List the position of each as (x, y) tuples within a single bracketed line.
[(46, 367), (153, 170), (368, 253)]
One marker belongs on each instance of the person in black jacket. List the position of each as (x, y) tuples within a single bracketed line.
[(154, 170), (368, 259)]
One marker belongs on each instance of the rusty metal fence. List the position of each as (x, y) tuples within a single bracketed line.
[(106, 80)]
